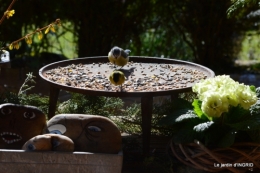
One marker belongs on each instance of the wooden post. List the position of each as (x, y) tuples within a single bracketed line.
[(54, 94)]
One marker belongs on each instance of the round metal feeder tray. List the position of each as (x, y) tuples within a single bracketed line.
[(137, 71)]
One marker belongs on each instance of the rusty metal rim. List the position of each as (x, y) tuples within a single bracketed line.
[(143, 59)]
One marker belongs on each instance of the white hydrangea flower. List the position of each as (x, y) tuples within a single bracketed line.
[(246, 97), (219, 93), (230, 93), (214, 104)]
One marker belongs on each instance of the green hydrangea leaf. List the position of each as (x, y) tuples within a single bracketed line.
[(197, 107), (251, 123), (252, 87), (203, 126), (236, 114), (257, 90), (188, 115), (227, 139), (186, 134), (255, 108), (214, 134), (182, 104), (171, 118)]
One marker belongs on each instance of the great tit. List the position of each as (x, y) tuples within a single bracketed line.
[(117, 78), (118, 56)]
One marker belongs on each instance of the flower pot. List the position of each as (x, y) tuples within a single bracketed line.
[(240, 157)]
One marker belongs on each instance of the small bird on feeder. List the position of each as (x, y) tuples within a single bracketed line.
[(117, 78), (118, 56)]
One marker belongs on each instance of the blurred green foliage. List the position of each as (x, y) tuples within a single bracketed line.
[(92, 105), (21, 97), (41, 102), (250, 46), (241, 5), (198, 31)]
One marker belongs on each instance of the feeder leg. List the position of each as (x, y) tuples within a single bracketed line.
[(146, 110), (54, 94)]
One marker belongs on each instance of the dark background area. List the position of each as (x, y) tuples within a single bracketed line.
[(198, 31)]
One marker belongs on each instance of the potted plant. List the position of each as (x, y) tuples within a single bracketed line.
[(220, 128)]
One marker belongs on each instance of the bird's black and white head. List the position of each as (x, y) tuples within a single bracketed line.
[(116, 76), (116, 51)]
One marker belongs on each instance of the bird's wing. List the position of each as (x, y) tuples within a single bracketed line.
[(111, 79), (125, 53)]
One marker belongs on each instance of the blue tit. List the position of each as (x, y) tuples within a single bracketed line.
[(117, 78), (118, 56)]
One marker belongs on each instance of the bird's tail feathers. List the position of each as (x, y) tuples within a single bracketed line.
[(127, 51)]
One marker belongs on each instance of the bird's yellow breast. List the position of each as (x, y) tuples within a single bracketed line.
[(111, 58), (121, 61)]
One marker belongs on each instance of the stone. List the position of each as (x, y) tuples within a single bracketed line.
[(18, 124), (90, 133)]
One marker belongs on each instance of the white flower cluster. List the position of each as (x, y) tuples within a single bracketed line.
[(219, 93)]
